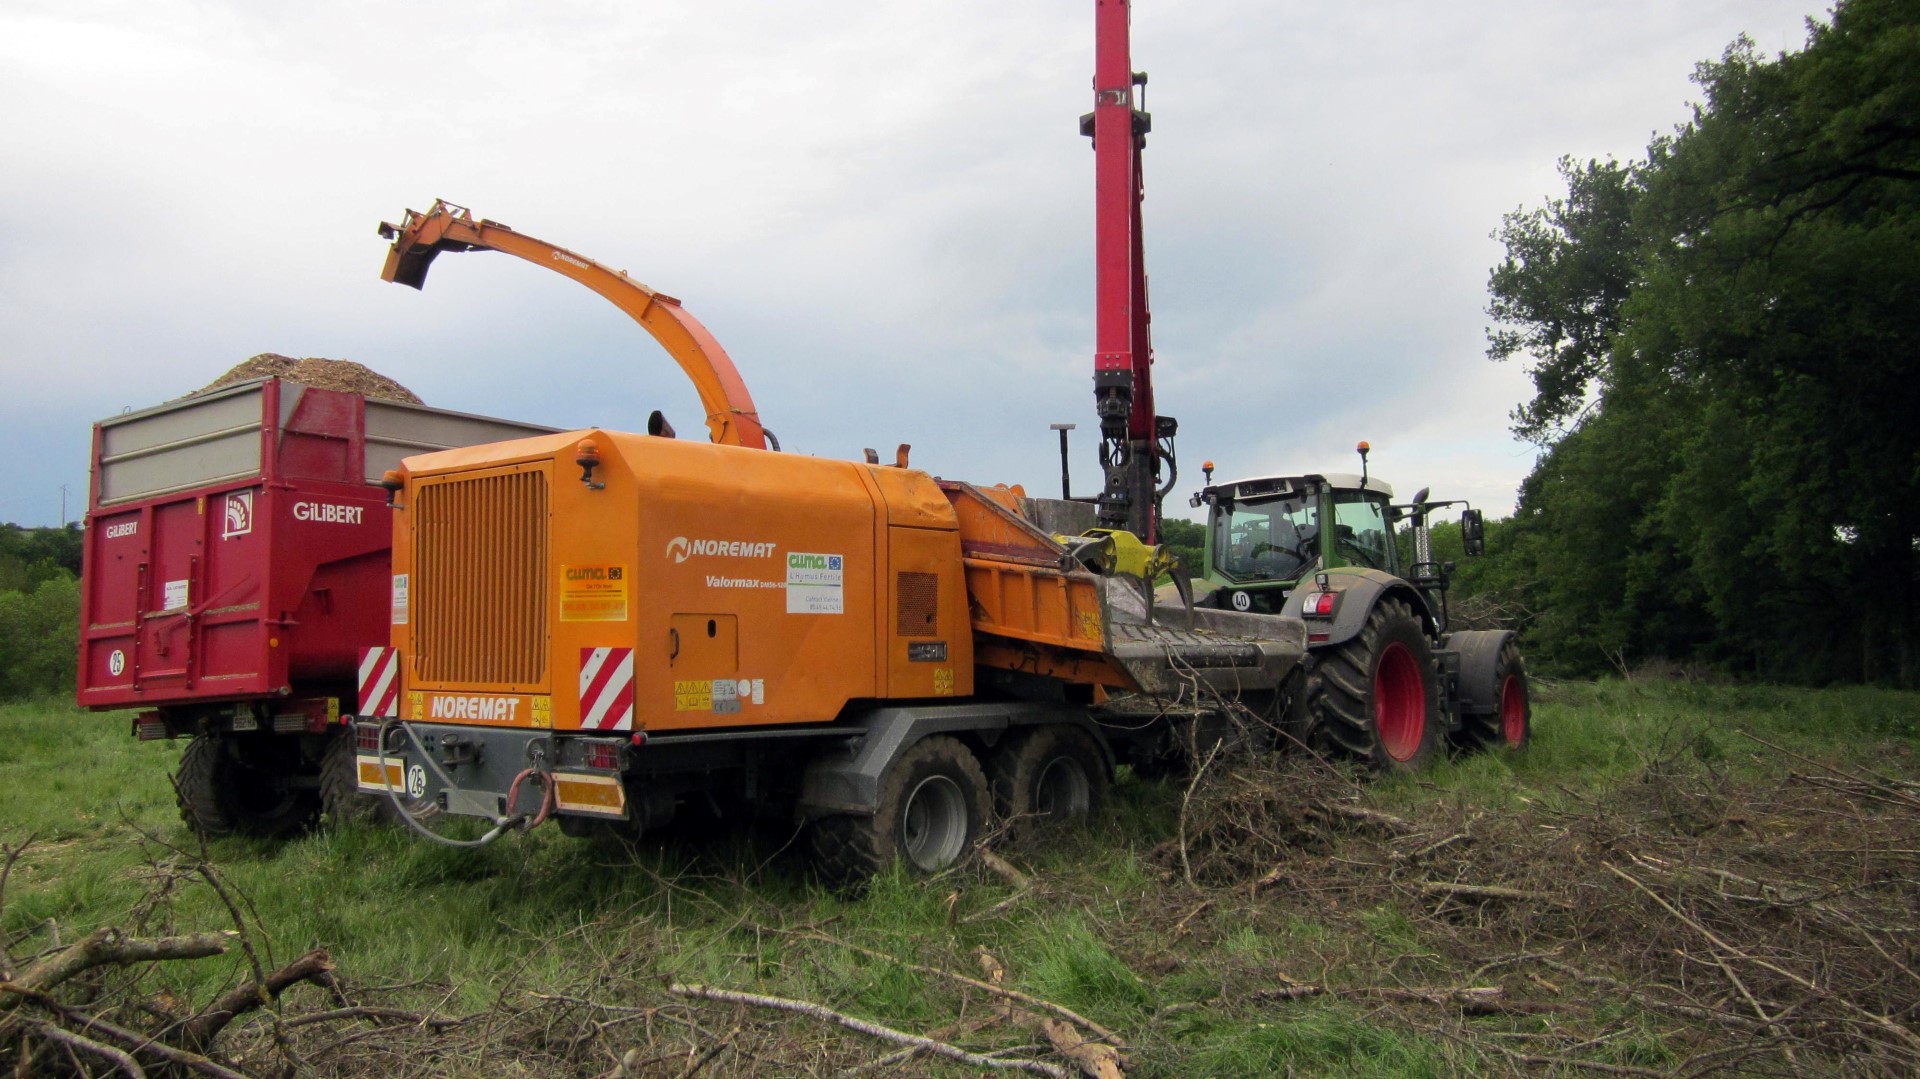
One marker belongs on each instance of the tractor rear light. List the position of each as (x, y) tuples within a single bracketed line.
[(151, 726), (1319, 604), (603, 756)]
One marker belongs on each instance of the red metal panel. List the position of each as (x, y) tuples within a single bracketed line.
[(262, 587)]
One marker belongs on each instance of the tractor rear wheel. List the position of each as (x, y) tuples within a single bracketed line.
[(1373, 698), (933, 805), (1511, 725), (245, 784), (1048, 775)]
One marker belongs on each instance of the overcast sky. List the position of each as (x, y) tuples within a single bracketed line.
[(884, 211)]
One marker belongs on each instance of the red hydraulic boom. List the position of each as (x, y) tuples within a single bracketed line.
[(1134, 439)]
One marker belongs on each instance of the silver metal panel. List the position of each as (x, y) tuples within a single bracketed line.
[(396, 430), (181, 444)]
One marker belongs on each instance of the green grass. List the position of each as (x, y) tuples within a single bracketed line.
[(1110, 933)]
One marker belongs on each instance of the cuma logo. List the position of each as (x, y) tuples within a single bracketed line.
[(678, 549)]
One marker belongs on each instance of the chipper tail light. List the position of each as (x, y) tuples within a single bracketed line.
[(366, 735), (603, 756)]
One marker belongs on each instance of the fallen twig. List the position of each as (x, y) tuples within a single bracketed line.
[(103, 947), (1096, 1060), (1490, 891), (992, 987), (203, 1028), (1004, 869), (112, 1055), (864, 1026)]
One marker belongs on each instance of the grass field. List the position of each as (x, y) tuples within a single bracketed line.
[(1676, 878)]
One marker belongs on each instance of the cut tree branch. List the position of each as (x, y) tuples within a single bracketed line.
[(863, 1026)]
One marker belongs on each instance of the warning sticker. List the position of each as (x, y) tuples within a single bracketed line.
[(814, 584), (399, 599), (593, 593), (174, 594), (726, 695), (696, 696)]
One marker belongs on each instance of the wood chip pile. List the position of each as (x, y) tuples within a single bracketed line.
[(318, 373)]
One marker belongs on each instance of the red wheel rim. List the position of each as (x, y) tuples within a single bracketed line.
[(1399, 702), (1513, 711)]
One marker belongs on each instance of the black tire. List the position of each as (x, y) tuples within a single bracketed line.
[(1511, 726), (343, 802), (933, 805), (245, 784), (1047, 776), (1373, 698)]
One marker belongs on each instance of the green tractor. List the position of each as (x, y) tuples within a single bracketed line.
[(1387, 681)]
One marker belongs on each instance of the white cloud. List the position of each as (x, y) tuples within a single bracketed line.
[(883, 211)]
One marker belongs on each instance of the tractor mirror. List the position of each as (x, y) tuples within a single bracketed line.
[(1473, 532)]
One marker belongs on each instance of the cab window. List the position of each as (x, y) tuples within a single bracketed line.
[(1363, 535), (1272, 540)]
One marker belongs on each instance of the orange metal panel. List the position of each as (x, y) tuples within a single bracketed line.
[(780, 553), (930, 642)]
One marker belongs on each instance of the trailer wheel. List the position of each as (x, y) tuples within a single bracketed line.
[(245, 784), (933, 805), (1048, 775), (1512, 725), (342, 800), (1373, 698)]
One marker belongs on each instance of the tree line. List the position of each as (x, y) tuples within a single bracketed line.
[(1724, 343), (39, 609)]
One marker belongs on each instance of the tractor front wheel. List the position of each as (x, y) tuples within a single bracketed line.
[(1511, 724), (1373, 698)]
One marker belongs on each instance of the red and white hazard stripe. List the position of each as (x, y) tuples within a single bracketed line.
[(379, 682), (606, 689)]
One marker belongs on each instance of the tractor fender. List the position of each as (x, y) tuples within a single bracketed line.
[(1360, 591), (847, 778), (1479, 651)]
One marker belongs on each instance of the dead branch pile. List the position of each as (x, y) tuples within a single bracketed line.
[(86, 1008), (103, 1005), (1770, 925), (313, 371)]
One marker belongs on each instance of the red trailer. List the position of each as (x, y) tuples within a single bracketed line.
[(236, 564)]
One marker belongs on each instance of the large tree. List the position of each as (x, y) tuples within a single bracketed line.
[(1725, 341)]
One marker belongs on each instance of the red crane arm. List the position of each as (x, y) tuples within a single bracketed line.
[(1119, 135), (1134, 439)]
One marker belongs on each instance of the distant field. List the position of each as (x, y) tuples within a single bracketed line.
[(1650, 889)]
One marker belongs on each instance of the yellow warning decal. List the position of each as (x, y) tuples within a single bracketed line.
[(596, 593), (543, 711), (693, 696), (416, 705), (369, 768), (943, 681), (576, 792)]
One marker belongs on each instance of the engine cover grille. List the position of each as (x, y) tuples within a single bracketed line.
[(480, 580)]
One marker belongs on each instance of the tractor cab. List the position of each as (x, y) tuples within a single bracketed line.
[(1265, 534)]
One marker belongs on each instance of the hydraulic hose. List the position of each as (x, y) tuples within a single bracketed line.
[(500, 824)]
